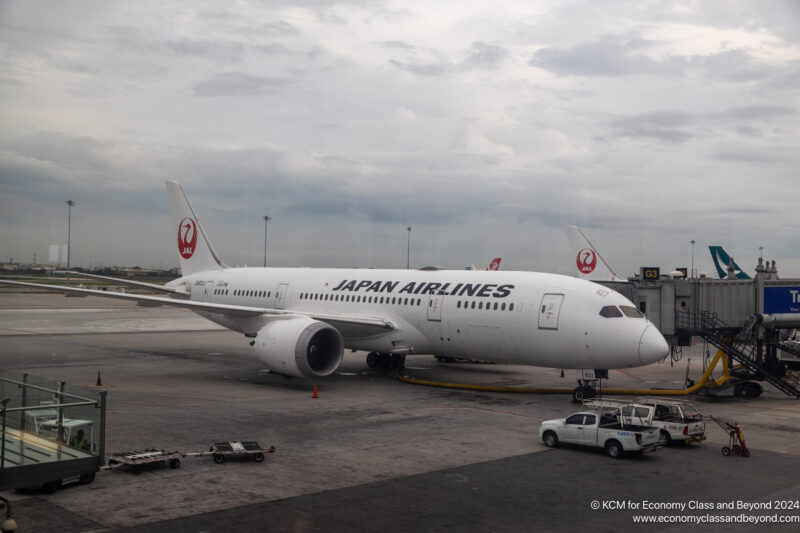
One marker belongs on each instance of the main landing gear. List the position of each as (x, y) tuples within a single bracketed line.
[(385, 360)]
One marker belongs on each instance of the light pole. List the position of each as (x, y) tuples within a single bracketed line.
[(266, 219), (691, 272), (408, 249), (761, 253), (70, 203)]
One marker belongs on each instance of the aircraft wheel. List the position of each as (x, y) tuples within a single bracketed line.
[(372, 359)]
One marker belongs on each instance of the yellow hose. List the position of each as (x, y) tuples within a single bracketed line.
[(563, 390)]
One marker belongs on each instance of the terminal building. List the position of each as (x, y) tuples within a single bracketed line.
[(753, 321)]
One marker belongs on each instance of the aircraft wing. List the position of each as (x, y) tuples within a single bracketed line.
[(131, 283), (364, 325)]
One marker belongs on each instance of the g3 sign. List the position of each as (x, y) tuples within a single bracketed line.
[(651, 273)]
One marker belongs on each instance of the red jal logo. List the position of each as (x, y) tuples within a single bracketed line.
[(586, 261), (187, 237)]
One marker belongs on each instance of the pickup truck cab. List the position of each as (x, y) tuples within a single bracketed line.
[(599, 428), (676, 420)]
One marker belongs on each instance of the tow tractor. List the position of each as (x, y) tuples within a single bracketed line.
[(243, 449)]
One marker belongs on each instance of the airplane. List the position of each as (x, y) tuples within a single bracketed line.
[(722, 260), (494, 265), (300, 320), (589, 264)]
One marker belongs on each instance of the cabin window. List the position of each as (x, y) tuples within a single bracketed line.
[(458, 304)]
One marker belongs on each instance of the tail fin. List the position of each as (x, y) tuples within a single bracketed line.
[(495, 264), (194, 247), (722, 260), (589, 264)]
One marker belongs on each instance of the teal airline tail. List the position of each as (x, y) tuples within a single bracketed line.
[(722, 260)]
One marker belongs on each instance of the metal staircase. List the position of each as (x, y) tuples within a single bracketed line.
[(729, 340)]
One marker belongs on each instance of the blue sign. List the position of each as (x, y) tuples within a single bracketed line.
[(781, 300)]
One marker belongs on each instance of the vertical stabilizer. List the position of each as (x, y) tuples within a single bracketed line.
[(587, 263), (195, 250), (722, 260)]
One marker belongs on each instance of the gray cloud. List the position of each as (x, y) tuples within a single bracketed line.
[(237, 83), (608, 56), (221, 51), (484, 55)]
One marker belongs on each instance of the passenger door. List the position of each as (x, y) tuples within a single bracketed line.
[(435, 307), (280, 294), (549, 310)]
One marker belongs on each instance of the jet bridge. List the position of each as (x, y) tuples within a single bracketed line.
[(51, 432), (751, 320)]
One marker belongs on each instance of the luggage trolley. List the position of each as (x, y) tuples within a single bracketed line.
[(736, 443), (139, 460)]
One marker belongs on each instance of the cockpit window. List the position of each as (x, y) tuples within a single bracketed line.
[(630, 311), (610, 311)]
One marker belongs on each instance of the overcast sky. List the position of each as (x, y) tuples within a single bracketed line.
[(485, 126)]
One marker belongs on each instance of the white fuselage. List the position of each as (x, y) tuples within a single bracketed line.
[(513, 317)]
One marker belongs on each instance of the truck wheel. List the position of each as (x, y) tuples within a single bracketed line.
[(258, 457), (663, 438), (614, 449), (175, 463), (550, 439), (218, 458), (51, 486)]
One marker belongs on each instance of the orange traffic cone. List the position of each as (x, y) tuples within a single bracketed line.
[(315, 391)]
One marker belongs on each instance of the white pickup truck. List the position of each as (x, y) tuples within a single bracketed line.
[(599, 428), (676, 420)]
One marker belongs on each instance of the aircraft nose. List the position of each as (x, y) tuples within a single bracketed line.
[(652, 346)]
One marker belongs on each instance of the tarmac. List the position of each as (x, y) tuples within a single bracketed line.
[(372, 453)]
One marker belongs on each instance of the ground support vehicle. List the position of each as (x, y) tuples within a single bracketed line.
[(736, 443), (676, 420), (240, 449), (139, 460), (600, 427)]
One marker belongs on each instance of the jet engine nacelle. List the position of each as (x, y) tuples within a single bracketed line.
[(299, 346)]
